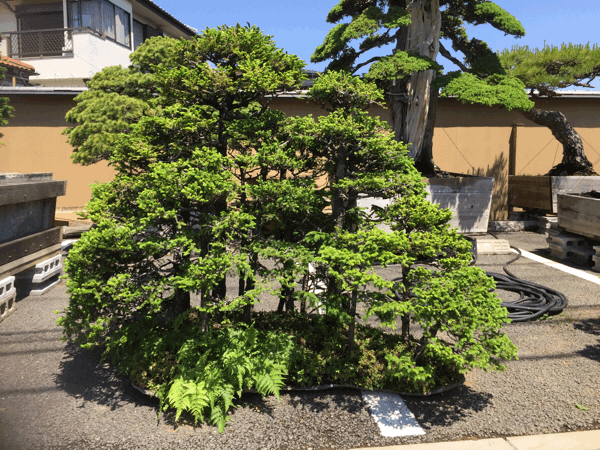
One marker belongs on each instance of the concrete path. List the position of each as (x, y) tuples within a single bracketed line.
[(567, 441)]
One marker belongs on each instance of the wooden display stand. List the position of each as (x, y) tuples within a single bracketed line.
[(28, 235), (540, 192), (579, 215)]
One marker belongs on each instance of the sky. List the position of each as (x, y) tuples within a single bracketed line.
[(300, 26)]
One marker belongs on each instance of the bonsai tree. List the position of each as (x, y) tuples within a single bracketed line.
[(408, 71), (362, 159), (545, 71), (210, 182)]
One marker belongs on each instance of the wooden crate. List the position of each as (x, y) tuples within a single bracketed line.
[(541, 192), (579, 215), (28, 234), (530, 192)]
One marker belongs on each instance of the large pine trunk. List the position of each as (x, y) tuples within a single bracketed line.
[(409, 98), (574, 161)]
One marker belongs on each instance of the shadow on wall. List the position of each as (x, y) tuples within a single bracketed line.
[(498, 170)]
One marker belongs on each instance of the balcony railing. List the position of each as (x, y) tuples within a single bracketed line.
[(40, 43)]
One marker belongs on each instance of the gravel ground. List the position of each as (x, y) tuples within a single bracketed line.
[(54, 395)]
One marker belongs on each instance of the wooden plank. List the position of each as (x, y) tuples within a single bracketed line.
[(530, 192), (21, 220), (14, 250), (23, 263), (580, 215), (27, 192), (572, 184)]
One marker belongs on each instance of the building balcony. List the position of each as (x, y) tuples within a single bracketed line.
[(41, 43)]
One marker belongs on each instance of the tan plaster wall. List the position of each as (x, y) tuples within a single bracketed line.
[(475, 139), (468, 139), (34, 143)]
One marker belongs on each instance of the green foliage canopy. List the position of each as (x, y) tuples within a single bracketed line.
[(211, 182), (551, 68)]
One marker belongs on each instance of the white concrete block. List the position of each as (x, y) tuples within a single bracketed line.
[(8, 297), (391, 414), (7, 287), (492, 247), (47, 268), (8, 305), (44, 287)]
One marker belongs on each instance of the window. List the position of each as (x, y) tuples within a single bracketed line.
[(74, 16), (108, 19), (90, 15), (138, 34), (102, 16), (123, 31)]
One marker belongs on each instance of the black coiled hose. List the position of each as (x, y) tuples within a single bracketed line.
[(534, 301)]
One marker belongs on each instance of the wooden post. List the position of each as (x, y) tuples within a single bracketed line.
[(512, 159), (512, 156)]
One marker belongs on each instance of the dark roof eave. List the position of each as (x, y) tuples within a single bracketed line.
[(161, 12)]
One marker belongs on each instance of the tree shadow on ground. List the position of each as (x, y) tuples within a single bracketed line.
[(447, 408), (589, 326), (82, 375)]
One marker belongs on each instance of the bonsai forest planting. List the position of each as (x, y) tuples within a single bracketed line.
[(213, 185)]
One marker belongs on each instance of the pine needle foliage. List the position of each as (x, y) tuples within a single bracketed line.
[(545, 70)]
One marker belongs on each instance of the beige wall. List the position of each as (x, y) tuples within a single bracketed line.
[(468, 139), (475, 139), (34, 143)]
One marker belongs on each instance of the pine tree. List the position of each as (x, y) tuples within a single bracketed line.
[(545, 71), (408, 72)]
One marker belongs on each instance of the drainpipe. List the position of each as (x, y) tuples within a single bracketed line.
[(65, 16)]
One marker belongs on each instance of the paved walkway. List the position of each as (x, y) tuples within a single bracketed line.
[(568, 440)]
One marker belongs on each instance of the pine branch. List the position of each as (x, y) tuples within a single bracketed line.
[(446, 54)]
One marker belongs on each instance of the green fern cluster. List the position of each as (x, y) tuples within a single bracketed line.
[(202, 373)]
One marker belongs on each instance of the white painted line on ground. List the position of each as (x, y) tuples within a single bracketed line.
[(559, 266), (391, 414)]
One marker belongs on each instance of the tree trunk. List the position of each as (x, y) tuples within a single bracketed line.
[(351, 327), (181, 302), (409, 98), (424, 163), (574, 160)]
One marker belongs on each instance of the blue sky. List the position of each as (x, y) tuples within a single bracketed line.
[(299, 27)]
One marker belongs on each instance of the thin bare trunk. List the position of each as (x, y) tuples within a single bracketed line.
[(304, 289), (352, 321), (574, 160)]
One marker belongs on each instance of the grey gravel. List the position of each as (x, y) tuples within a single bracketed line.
[(55, 395)]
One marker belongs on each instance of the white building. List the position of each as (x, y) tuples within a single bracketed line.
[(68, 41)]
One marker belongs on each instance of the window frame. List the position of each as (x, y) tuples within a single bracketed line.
[(102, 32)]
